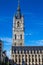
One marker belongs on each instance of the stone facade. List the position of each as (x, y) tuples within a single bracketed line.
[(18, 28), (18, 32), (30, 55), (0, 50)]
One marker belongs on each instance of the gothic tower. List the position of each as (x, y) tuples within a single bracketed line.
[(18, 28), (23, 55)]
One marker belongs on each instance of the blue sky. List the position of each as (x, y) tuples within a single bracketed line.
[(33, 21)]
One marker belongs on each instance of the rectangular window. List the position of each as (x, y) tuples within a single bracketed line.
[(19, 58), (26, 60), (29, 60), (32, 60), (15, 43), (16, 58), (39, 59), (20, 44), (42, 59), (36, 60), (21, 36), (35, 56), (15, 36)]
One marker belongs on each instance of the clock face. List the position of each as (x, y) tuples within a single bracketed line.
[(19, 25)]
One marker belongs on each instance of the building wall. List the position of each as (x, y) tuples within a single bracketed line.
[(31, 58), (0, 50), (18, 31)]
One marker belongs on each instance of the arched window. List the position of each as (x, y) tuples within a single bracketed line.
[(18, 24)]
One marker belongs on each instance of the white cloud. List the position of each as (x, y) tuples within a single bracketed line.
[(6, 40), (28, 34), (39, 42), (36, 42)]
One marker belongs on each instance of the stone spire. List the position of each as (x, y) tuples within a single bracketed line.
[(18, 9), (18, 14)]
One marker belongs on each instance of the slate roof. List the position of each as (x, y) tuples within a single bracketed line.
[(28, 48)]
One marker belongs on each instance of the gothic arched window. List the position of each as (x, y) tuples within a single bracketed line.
[(18, 24)]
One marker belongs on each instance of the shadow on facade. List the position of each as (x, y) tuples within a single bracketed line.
[(23, 62)]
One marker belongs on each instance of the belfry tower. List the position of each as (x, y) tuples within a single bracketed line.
[(23, 55), (18, 28)]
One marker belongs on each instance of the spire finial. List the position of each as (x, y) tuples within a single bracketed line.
[(18, 15), (18, 2)]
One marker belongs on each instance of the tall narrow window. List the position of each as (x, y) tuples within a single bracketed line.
[(20, 44), (19, 59), (39, 60), (15, 36), (18, 24), (42, 59), (36, 60), (21, 36), (32, 60), (16, 58), (15, 43)]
